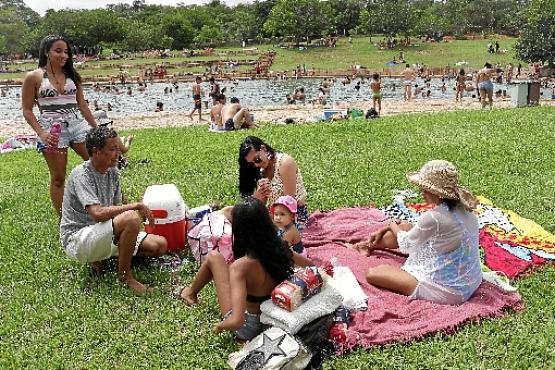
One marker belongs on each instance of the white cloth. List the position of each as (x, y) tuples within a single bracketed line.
[(323, 303), (353, 296), (443, 250)]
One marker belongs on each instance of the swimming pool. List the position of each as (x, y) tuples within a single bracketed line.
[(252, 93)]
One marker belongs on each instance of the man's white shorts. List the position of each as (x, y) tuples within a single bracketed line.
[(96, 243)]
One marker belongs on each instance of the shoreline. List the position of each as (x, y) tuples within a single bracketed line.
[(274, 114)]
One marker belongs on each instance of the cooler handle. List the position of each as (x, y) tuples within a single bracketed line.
[(159, 213)]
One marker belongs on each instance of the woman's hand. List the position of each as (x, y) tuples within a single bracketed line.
[(263, 190), (376, 237), (48, 139)]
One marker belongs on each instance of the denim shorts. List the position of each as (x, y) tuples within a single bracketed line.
[(250, 329), (486, 85), (74, 130)]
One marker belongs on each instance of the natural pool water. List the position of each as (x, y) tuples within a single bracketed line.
[(252, 93)]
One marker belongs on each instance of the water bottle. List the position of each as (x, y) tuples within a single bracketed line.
[(196, 214), (55, 130)]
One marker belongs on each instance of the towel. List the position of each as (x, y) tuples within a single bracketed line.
[(349, 225)]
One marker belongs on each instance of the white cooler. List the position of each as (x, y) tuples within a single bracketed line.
[(168, 210)]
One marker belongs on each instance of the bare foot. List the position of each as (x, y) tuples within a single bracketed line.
[(188, 297), (362, 248), (137, 287)]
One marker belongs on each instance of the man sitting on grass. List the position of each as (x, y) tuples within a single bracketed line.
[(95, 225)]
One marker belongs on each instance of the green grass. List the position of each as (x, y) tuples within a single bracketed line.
[(362, 52), (52, 316)]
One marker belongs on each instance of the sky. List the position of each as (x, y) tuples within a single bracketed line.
[(40, 6)]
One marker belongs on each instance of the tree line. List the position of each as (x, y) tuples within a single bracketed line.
[(138, 26)]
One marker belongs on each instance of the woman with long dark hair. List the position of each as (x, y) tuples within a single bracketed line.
[(261, 262), (268, 174), (55, 87)]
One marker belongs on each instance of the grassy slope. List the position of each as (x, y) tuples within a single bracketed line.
[(361, 52), (344, 56), (52, 316)]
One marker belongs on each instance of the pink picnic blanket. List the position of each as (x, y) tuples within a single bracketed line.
[(345, 224), (393, 317)]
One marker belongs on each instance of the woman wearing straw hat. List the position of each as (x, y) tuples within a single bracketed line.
[(443, 263)]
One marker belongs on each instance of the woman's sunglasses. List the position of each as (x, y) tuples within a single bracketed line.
[(257, 160)]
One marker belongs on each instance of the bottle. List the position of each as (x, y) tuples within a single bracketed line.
[(196, 214), (55, 130)]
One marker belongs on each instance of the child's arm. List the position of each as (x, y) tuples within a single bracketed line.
[(292, 236)]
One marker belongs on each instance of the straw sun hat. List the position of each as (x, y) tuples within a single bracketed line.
[(439, 177)]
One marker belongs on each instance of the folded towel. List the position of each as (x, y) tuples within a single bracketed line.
[(319, 305), (353, 296)]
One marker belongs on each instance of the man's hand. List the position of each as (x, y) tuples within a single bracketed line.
[(145, 213)]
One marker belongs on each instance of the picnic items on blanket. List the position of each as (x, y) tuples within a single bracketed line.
[(305, 283), (317, 306), (338, 330), (392, 317), (272, 349), (212, 233), (353, 296), (499, 279)]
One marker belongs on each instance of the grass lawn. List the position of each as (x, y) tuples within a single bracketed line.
[(362, 52), (53, 316)]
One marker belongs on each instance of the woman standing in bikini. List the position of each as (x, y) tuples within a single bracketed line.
[(485, 86), (55, 87)]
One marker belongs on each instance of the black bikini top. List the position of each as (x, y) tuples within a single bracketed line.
[(255, 299)]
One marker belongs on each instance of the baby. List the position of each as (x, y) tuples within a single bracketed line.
[(284, 211)]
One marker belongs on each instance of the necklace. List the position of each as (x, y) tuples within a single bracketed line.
[(59, 86)]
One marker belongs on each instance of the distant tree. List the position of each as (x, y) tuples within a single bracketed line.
[(3, 45), (391, 17), (208, 36), (537, 41), (179, 28), (262, 10), (243, 26), (141, 36), (13, 31), (428, 22), (347, 13), (299, 19)]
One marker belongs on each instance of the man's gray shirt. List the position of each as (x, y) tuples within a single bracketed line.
[(86, 186)]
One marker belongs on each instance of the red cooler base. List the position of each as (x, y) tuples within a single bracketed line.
[(173, 232)]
